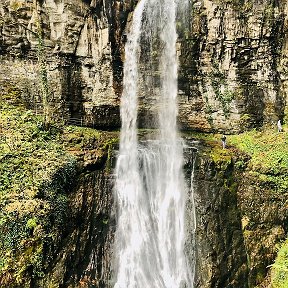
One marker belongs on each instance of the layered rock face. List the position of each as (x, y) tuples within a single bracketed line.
[(232, 57), (264, 224), (232, 66), (83, 257), (222, 260), (82, 45), (241, 219), (82, 254)]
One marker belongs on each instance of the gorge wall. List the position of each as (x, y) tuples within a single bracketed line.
[(232, 77), (241, 218), (237, 227), (232, 55)]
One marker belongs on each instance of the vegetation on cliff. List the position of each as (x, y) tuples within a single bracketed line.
[(259, 160), (38, 168), (34, 173), (280, 267), (266, 177), (269, 156), (37, 172)]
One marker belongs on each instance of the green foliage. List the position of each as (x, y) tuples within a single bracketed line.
[(267, 167), (34, 173), (269, 156), (245, 121), (109, 146), (221, 157), (29, 155), (240, 165), (208, 112), (11, 94), (268, 151), (269, 12), (212, 139), (31, 223), (37, 170), (279, 275), (82, 137)]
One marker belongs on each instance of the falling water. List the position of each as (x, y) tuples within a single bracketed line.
[(150, 187)]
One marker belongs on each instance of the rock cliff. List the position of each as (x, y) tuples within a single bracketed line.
[(57, 216), (82, 46), (232, 77), (232, 60)]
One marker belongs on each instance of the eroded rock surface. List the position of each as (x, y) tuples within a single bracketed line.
[(232, 56), (232, 65), (83, 47)]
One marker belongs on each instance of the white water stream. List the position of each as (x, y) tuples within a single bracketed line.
[(150, 187)]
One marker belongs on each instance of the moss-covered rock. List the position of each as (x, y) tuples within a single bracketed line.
[(280, 267), (38, 171), (262, 196), (242, 186)]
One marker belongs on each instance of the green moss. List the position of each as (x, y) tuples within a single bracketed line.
[(267, 168), (212, 147), (29, 155), (245, 121), (37, 169), (110, 143), (109, 146), (280, 267), (80, 137), (218, 154), (210, 138), (34, 170), (31, 223), (269, 156), (208, 112)]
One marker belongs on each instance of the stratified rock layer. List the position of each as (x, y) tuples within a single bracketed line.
[(232, 57)]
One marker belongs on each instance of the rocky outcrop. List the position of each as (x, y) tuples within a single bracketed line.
[(82, 45), (221, 259), (232, 64), (264, 222), (241, 218), (232, 56), (82, 254), (83, 258)]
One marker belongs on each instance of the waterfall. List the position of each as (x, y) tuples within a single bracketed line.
[(150, 187)]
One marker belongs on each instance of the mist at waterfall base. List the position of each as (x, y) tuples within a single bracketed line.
[(150, 190)]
